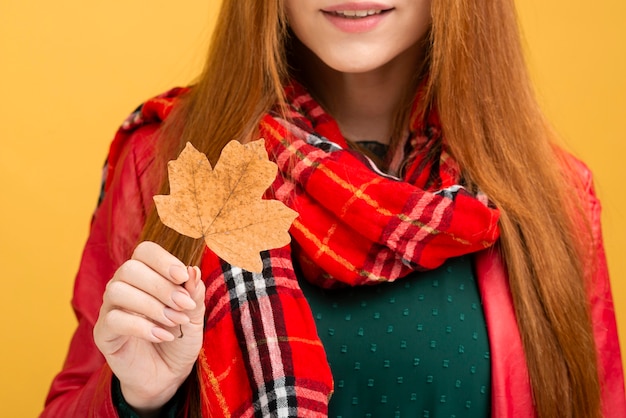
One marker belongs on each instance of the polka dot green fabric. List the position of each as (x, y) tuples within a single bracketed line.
[(416, 347)]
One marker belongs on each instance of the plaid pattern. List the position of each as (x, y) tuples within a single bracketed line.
[(261, 356), (358, 226)]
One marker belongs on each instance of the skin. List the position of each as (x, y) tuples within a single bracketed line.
[(360, 78), (147, 300)]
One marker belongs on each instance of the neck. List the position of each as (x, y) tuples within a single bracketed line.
[(364, 105)]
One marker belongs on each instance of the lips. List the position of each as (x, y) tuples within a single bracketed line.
[(356, 17)]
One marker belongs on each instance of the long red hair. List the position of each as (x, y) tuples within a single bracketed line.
[(478, 81)]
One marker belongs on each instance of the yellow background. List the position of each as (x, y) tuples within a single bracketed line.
[(70, 71)]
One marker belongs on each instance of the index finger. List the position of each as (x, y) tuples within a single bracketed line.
[(161, 261)]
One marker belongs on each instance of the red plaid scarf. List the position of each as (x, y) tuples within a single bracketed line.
[(261, 354), (357, 226)]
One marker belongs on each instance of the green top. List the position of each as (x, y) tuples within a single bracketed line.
[(417, 347)]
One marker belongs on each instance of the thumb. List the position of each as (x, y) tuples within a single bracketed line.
[(196, 288)]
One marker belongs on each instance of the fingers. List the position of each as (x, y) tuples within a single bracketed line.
[(126, 324), (161, 261), (150, 295), (143, 277), (123, 296)]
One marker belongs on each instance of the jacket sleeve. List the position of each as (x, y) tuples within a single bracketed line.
[(83, 387), (602, 311)]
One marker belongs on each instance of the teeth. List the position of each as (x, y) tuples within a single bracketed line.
[(355, 14)]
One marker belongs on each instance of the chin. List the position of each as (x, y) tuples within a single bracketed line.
[(355, 65)]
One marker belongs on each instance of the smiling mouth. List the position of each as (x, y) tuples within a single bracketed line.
[(353, 13), (357, 14)]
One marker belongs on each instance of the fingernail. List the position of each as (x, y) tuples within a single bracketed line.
[(162, 335), (179, 273), (175, 316), (198, 273), (192, 274), (182, 299)]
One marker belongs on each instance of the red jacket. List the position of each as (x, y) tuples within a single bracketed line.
[(83, 387)]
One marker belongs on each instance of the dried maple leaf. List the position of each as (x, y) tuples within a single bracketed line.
[(224, 205)]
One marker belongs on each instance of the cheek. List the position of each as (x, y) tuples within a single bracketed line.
[(299, 17), (420, 19), (308, 26)]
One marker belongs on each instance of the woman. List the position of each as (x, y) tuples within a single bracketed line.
[(408, 139)]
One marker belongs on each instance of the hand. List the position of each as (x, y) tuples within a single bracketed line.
[(149, 300)]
